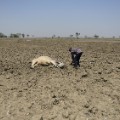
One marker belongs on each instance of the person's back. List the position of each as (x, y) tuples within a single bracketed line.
[(75, 50)]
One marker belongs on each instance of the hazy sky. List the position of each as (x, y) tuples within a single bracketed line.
[(60, 17)]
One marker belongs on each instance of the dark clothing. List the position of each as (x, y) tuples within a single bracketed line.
[(76, 53)]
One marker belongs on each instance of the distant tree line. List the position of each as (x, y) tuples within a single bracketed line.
[(15, 35), (3, 35), (22, 35), (76, 35), (96, 36)]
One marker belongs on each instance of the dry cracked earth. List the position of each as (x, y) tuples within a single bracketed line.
[(91, 92)]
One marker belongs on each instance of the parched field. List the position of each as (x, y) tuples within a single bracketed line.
[(48, 93)]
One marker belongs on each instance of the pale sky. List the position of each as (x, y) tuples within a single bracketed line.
[(44, 18)]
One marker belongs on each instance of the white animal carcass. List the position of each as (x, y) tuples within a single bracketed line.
[(43, 60)]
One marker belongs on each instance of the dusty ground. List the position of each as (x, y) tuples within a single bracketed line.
[(47, 93)]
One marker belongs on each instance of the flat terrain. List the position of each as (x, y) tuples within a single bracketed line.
[(91, 92)]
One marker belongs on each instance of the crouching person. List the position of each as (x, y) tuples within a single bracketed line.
[(76, 54)]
